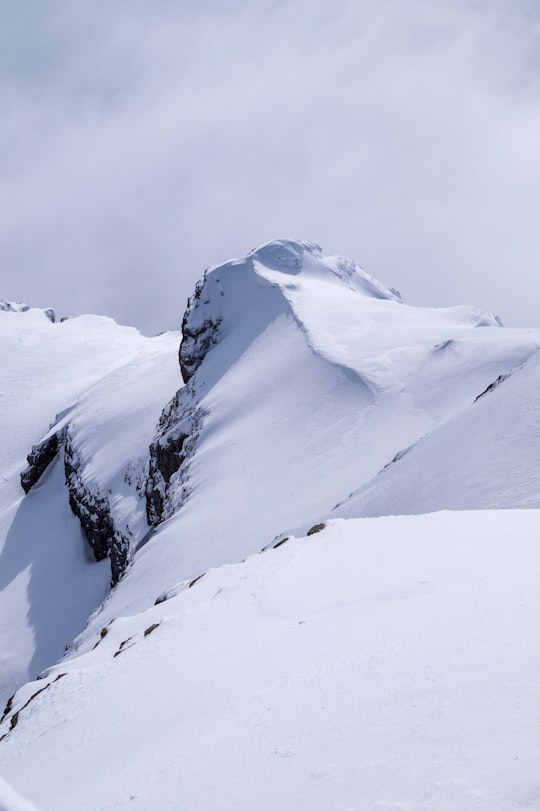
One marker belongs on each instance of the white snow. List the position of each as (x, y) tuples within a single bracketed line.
[(496, 465), (11, 800), (315, 383), (49, 582), (380, 664)]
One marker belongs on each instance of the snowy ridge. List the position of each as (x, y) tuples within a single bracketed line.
[(228, 293), (13, 306), (352, 663), (497, 467), (20, 307), (304, 379)]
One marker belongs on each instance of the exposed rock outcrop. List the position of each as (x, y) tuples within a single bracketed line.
[(39, 459), (167, 486), (200, 332), (13, 306), (20, 307), (91, 507), (493, 386), (93, 510), (232, 304)]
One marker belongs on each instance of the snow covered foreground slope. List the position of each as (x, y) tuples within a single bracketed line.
[(380, 664), (304, 379)]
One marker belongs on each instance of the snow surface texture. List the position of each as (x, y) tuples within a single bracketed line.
[(496, 467), (377, 663)]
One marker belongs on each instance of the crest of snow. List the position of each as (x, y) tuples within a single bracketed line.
[(484, 456), (344, 313), (288, 256)]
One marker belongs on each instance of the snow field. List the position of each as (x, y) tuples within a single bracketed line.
[(381, 663)]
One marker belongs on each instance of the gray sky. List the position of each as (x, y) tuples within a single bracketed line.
[(142, 140)]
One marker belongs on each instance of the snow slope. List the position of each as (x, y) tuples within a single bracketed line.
[(11, 800), (49, 581), (305, 377), (496, 465), (380, 664), (375, 663)]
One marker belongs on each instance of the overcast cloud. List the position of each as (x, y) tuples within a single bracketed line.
[(141, 141)]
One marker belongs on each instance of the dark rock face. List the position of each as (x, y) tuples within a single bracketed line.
[(91, 509), (198, 335), (314, 529), (166, 486), (39, 459), (94, 513), (195, 344), (493, 386), (170, 452), (90, 506)]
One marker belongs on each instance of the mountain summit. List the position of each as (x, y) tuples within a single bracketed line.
[(232, 295)]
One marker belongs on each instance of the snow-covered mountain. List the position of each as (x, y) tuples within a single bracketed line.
[(302, 403)]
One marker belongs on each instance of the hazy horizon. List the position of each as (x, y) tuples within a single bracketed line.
[(144, 142)]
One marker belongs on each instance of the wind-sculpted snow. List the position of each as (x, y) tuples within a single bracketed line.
[(485, 457), (305, 378), (305, 381), (227, 292), (295, 257)]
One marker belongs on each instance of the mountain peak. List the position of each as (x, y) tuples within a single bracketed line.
[(20, 307), (297, 257), (285, 254), (13, 306), (264, 280)]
